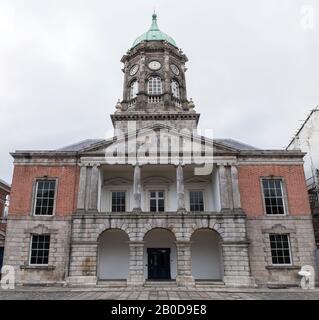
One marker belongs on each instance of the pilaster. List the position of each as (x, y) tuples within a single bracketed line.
[(184, 264), (136, 264)]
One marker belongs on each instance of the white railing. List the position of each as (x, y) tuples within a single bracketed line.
[(177, 102), (154, 99), (132, 103)]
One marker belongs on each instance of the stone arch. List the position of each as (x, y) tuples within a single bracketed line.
[(206, 254), (214, 226), (118, 224), (159, 224), (113, 254)]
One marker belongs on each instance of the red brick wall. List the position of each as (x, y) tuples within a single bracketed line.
[(250, 190), (22, 188)]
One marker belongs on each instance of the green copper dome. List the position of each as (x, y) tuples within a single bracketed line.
[(154, 34)]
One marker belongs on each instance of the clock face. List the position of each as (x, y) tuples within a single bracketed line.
[(175, 69), (154, 65), (134, 69)]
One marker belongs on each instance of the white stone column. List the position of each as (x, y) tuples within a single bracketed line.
[(224, 188), (180, 188), (94, 188), (136, 264), (82, 188), (137, 188), (184, 264), (235, 187)]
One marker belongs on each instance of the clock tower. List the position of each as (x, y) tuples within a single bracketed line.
[(154, 84)]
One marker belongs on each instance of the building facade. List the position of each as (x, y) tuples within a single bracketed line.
[(307, 140), (159, 201), (4, 204)]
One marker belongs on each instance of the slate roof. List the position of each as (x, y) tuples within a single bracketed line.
[(5, 183), (235, 144), (84, 144)]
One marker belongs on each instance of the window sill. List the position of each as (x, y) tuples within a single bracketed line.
[(37, 267), (283, 267), (276, 215)]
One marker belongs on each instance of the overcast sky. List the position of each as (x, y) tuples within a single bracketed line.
[(253, 68)]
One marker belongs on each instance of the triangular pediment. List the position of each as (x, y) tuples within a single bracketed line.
[(158, 136)]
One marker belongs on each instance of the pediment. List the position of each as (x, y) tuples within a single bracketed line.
[(156, 180), (196, 180), (117, 181), (160, 137)]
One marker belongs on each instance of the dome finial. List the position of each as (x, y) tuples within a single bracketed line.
[(154, 25)]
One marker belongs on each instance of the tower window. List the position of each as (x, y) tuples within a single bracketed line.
[(175, 89), (154, 86), (133, 90)]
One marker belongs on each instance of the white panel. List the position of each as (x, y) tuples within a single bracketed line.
[(113, 259), (160, 238), (206, 255)]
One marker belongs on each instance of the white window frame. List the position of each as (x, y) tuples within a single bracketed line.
[(157, 198), (133, 89), (289, 245), (160, 187), (35, 196), (30, 250), (284, 197), (152, 85), (189, 198), (109, 191), (175, 87), (197, 186)]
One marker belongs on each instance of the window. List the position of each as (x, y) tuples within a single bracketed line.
[(280, 248), (157, 201), (40, 245), (133, 90), (175, 89), (118, 201), (273, 195), (45, 194), (154, 86), (196, 201)]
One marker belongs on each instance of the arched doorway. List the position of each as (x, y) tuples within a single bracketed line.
[(206, 255), (160, 258), (113, 255)]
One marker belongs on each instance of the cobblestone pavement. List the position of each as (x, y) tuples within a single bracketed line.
[(155, 293)]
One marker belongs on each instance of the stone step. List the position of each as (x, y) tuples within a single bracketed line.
[(209, 283), (151, 283), (111, 283)]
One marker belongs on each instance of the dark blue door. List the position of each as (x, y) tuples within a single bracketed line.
[(159, 263)]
